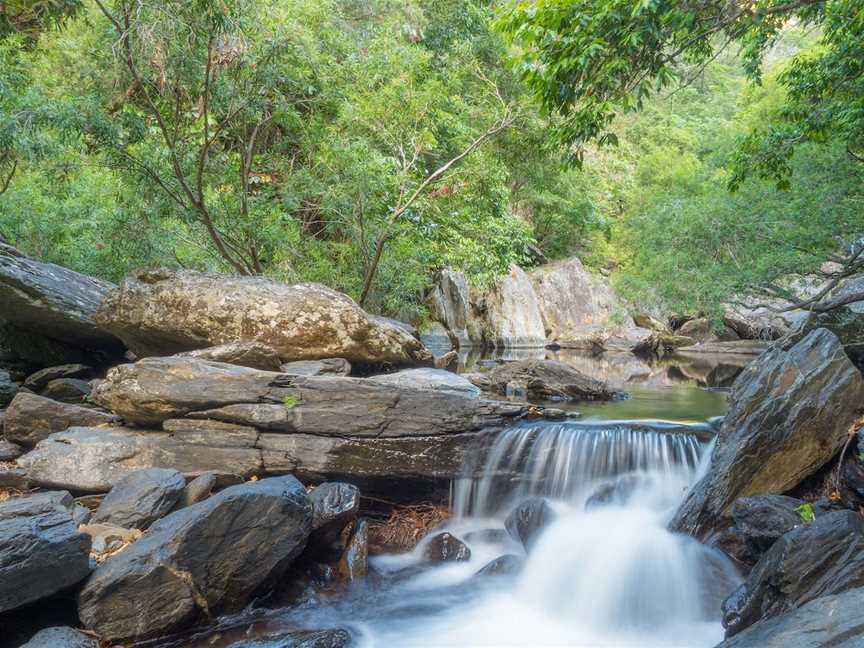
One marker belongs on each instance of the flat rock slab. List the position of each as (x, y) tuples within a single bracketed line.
[(140, 498), (156, 389), (92, 460), (254, 355), (161, 312), (208, 558), (41, 550), (36, 381), (323, 367), (439, 380), (789, 414), (543, 379), (31, 418)]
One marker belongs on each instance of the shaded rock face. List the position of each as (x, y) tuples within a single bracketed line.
[(760, 521), (38, 380), (817, 559), (528, 519), (254, 355), (197, 490), (141, 498), (8, 388), (445, 547), (450, 306), (67, 390), (847, 324), (92, 460), (208, 558), (161, 312), (155, 389), (9, 451), (324, 367), (789, 414), (436, 336), (31, 418), (833, 621), (61, 637), (334, 506), (573, 302), (543, 379), (512, 313), (439, 380), (43, 300), (41, 550)]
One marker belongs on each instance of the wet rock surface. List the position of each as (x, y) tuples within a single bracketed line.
[(307, 639), (140, 498), (334, 506), (354, 563), (528, 519), (445, 547), (503, 566), (822, 557), (833, 621), (208, 558), (31, 418), (789, 414), (160, 312), (41, 550)]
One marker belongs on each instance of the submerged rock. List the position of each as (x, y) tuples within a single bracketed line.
[(528, 520), (160, 312), (445, 547), (823, 557), (140, 498), (543, 379), (833, 621), (254, 355), (789, 414), (206, 559), (31, 418), (61, 637), (41, 550)]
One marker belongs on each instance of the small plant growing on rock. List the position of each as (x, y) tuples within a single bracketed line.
[(805, 511), (290, 401)]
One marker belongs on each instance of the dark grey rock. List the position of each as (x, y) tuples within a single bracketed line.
[(817, 559), (46, 301), (503, 566), (197, 490), (61, 637), (445, 547), (38, 380), (789, 414), (8, 388), (9, 451), (209, 558), (311, 639), (528, 519), (334, 505), (254, 355), (828, 622), (323, 367), (761, 520), (140, 498), (31, 418), (846, 323), (68, 390), (353, 565), (41, 551)]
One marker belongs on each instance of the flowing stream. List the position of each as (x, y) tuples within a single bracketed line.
[(604, 574)]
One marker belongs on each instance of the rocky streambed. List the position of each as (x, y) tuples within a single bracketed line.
[(189, 460)]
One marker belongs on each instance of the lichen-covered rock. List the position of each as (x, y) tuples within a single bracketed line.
[(31, 418), (140, 498), (162, 312), (206, 559), (254, 355), (789, 414), (43, 300), (41, 550)]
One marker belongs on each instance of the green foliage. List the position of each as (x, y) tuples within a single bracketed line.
[(805, 511), (290, 401)]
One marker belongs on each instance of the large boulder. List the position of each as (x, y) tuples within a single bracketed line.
[(41, 551), (42, 301), (789, 414), (94, 459), (544, 379), (254, 355), (813, 560), (831, 621), (206, 559), (31, 418), (511, 313), (140, 498), (161, 312), (574, 302), (450, 306), (155, 389)]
